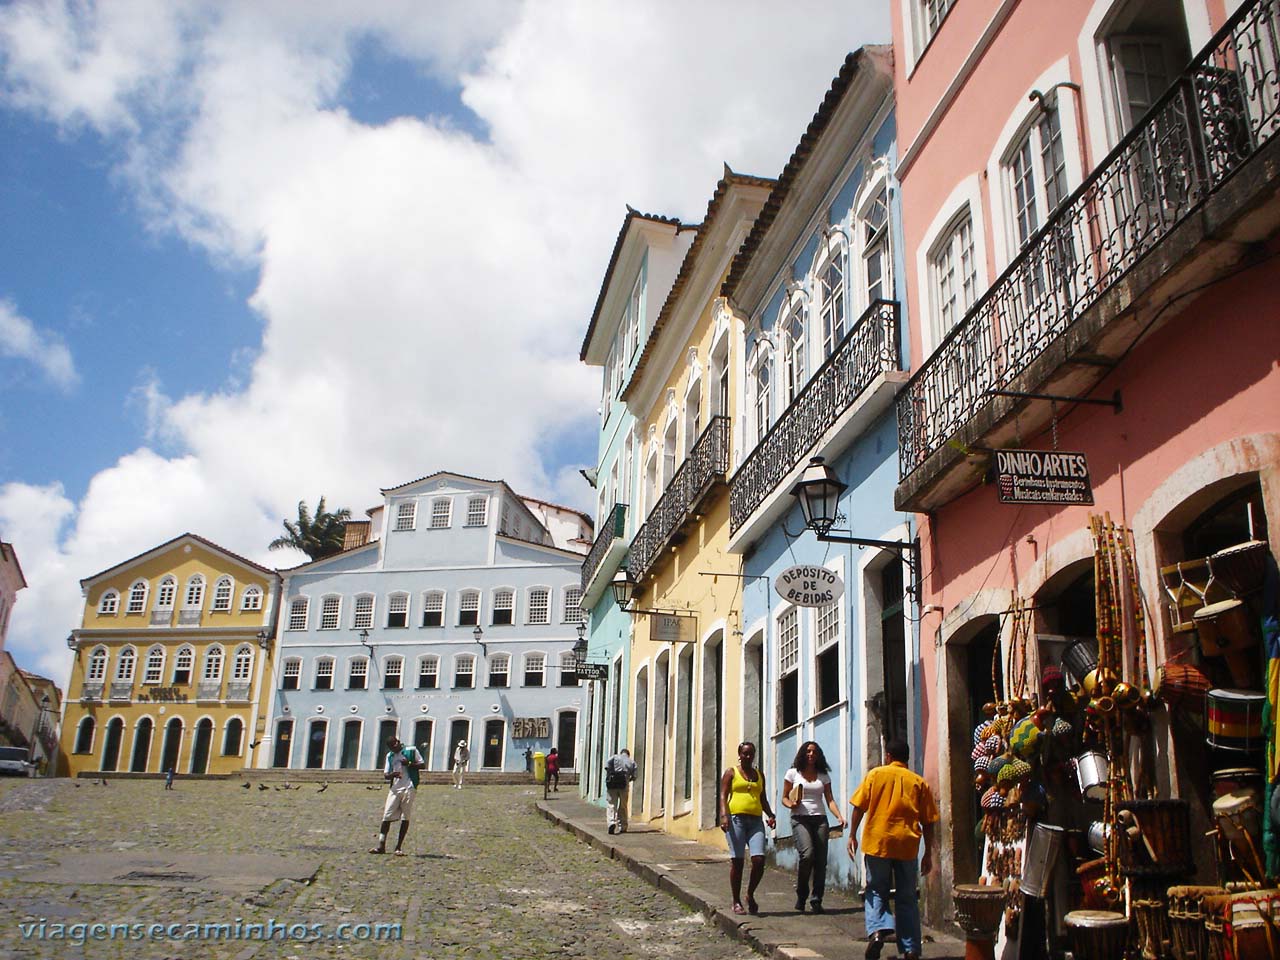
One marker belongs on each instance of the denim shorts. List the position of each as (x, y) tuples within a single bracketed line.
[(746, 834)]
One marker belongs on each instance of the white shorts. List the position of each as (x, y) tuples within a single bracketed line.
[(399, 804)]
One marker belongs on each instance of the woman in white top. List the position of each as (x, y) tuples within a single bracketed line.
[(806, 789)]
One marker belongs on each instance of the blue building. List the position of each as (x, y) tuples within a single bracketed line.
[(451, 614), (817, 286), (642, 268)]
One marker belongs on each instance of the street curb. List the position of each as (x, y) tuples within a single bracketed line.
[(691, 897)]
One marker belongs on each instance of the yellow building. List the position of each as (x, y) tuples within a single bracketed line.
[(695, 689), (171, 659)]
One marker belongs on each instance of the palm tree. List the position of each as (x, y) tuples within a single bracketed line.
[(318, 536)]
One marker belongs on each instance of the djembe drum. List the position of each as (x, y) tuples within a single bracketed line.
[(1097, 934), (1155, 838), (1224, 631), (1241, 567), (1243, 926), (1182, 686), (1150, 911), (979, 908)]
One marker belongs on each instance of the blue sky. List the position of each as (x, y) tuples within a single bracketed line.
[(261, 252)]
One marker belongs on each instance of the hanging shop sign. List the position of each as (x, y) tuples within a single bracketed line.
[(1042, 476), (670, 628), (808, 586), (592, 671)]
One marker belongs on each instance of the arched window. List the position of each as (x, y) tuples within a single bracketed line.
[(833, 306), (242, 664), (298, 613), (165, 593), (428, 672), (433, 608), (793, 350), (154, 670), (222, 591), (194, 597), (233, 738), (568, 669), (212, 664), (124, 665), (877, 264), (251, 599), (762, 381), (573, 605), (291, 673), (97, 671), (330, 612), (468, 608), (535, 669), (398, 610), (500, 670), (464, 670), (362, 618), (84, 736), (324, 673), (137, 597), (504, 604), (392, 673), (109, 605), (182, 664), (539, 605)]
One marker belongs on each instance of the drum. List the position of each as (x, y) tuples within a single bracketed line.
[(1242, 926), (1186, 921), (1224, 628), (1042, 853), (1097, 934), (1242, 567), (1155, 838), (1098, 834), (979, 908), (1239, 813), (1182, 686), (1237, 778), (1234, 719), (1081, 659), (1091, 774), (1155, 935)]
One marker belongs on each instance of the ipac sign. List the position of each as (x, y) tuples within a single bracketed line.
[(808, 586), (1042, 476)]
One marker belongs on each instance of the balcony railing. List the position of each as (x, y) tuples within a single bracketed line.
[(161, 618), (868, 350), (707, 464), (188, 618), (209, 690), (1218, 113), (238, 689), (121, 690), (91, 691), (613, 527)]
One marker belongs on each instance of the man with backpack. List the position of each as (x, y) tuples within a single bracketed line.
[(619, 771)]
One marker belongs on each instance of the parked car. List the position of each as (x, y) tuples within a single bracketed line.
[(14, 762)]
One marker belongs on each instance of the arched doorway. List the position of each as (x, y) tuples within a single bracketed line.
[(422, 739), (494, 735), (316, 738), (640, 737), (141, 746), (200, 749), (352, 731), (172, 745), (567, 738), (284, 743), (111, 752), (711, 757), (753, 690)]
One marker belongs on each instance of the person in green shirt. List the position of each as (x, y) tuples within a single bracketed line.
[(401, 771)]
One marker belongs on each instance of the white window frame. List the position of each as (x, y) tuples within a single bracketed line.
[(965, 199), (428, 597), (793, 359), (184, 659), (362, 611), (167, 592), (465, 605), (109, 603), (398, 603), (533, 659), (831, 329), (291, 669), (428, 660), (406, 516), (762, 389), (242, 664), (137, 602), (509, 594), (635, 313), (330, 612), (467, 660), (96, 671), (441, 519), (321, 663), (299, 610), (393, 666), (568, 668), (493, 661), (224, 591), (125, 664), (251, 599), (572, 608), (358, 667), (918, 33), (545, 594), (477, 517), (870, 238), (193, 592), (211, 664), (153, 672)]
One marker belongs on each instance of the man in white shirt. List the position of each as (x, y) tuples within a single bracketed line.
[(461, 757), (400, 770)]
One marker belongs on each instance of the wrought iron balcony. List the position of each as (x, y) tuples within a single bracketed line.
[(613, 528), (1218, 114), (867, 351), (706, 465)]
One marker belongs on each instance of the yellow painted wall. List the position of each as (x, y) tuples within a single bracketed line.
[(163, 701), (716, 602)]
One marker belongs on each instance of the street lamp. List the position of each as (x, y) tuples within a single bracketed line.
[(818, 491), (264, 639), (71, 641), (364, 642), (624, 587), (478, 634), (580, 651)]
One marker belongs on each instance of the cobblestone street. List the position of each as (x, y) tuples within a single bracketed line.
[(485, 875)]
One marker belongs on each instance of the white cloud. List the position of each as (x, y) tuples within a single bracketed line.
[(20, 339), (423, 294)]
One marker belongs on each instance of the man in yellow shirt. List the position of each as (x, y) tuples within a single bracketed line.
[(899, 810)]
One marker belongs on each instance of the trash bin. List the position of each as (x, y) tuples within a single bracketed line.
[(539, 766)]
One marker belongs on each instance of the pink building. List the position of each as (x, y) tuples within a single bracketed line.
[(1089, 214)]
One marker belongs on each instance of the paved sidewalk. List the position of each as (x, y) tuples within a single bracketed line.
[(698, 875)]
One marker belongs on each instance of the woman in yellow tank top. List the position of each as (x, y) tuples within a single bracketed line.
[(743, 805)]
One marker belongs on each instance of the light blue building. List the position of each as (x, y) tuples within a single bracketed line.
[(817, 286), (641, 271), (451, 614)]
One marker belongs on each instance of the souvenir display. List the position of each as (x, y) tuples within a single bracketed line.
[(979, 908), (1186, 920), (1097, 934)]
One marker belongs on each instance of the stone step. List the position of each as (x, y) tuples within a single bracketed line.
[(281, 775)]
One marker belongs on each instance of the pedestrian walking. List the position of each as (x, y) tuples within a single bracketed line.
[(553, 768), (528, 760), (400, 770), (899, 810), (461, 757), (619, 771), (168, 779), (806, 792), (745, 805)]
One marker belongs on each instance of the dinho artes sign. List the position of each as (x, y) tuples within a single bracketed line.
[(808, 586), (1042, 476)]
